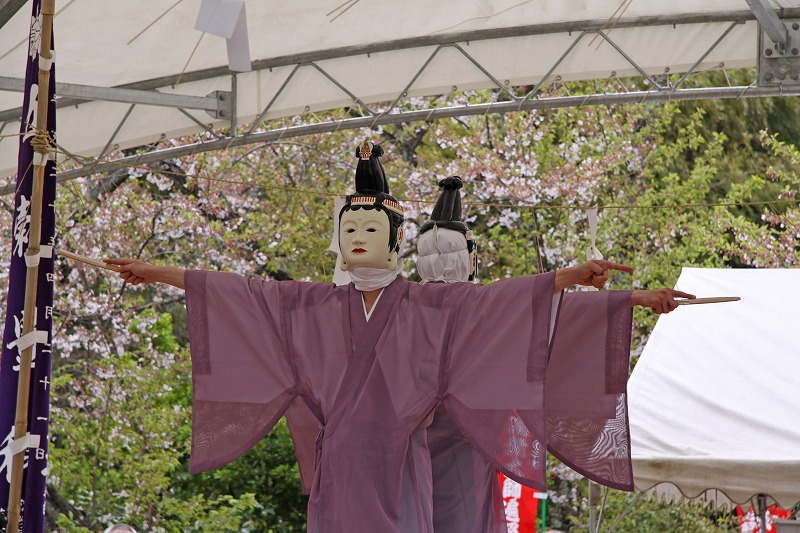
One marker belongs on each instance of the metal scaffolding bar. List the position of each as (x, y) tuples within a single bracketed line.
[(8, 8), (220, 105), (129, 96), (634, 97), (769, 21)]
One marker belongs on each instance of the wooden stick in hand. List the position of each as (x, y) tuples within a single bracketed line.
[(88, 260)]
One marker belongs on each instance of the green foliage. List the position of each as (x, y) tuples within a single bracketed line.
[(650, 516), (121, 438), (114, 447), (269, 472), (568, 510), (66, 524)]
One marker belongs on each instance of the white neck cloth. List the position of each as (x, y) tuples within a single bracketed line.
[(370, 279), (443, 256), (340, 277)]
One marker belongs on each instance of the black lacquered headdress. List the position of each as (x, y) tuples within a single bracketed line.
[(372, 191), (447, 211), (447, 214)]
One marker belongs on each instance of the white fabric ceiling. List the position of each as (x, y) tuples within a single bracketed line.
[(714, 397), (95, 46)]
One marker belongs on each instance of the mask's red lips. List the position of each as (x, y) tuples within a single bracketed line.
[(358, 251)]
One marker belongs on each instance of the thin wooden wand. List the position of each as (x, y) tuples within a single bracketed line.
[(88, 260)]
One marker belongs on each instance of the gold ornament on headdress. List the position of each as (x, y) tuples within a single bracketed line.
[(365, 152)]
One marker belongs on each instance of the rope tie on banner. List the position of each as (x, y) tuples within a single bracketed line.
[(24, 443), (42, 142)]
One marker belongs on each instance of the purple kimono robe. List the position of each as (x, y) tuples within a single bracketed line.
[(369, 389), (585, 404)]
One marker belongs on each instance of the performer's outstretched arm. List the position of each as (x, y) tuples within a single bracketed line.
[(591, 273), (595, 274), (138, 272)]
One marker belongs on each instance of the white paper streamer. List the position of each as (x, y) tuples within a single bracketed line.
[(228, 19), (592, 252), (340, 277)]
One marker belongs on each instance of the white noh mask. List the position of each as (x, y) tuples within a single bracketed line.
[(364, 240)]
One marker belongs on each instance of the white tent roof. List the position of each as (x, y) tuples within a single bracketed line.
[(714, 397), (305, 60)]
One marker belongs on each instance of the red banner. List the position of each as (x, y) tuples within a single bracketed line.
[(750, 522), (520, 505)]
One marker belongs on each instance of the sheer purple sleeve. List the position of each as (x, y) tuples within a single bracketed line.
[(586, 396), (496, 373), (242, 378), (467, 497), (304, 429)]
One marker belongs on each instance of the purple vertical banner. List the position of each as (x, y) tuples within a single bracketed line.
[(36, 468)]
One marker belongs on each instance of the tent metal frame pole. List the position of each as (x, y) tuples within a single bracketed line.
[(211, 103), (769, 21), (703, 57), (221, 104), (499, 88), (8, 8), (624, 513), (106, 148), (744, 15), (594, 496), (234, 100), (637, 97), (602, 509), (144, 90), (208, 128), (761, 505)]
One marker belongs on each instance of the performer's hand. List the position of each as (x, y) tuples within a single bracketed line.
[(591, 273), (138, 272), (133, 271), (661, 301)]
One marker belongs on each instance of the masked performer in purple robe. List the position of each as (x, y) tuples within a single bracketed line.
[(585, 396), (372, 361), (466, 491)]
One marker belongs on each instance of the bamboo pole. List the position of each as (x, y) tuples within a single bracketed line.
[(32, 276)]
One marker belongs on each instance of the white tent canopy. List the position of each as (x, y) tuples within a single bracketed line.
[(714, 397), (306, 60)]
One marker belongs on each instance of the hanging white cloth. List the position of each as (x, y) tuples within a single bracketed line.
[(340, 277), (443, 256), (592, 252)]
